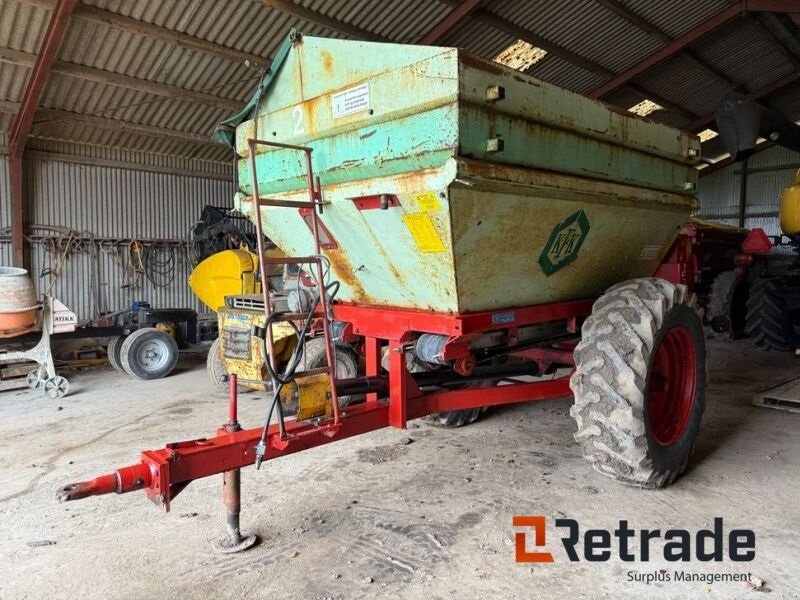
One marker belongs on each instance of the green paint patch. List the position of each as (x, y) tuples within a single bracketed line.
[(564, 243)]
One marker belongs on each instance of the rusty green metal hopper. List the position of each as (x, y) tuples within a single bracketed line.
[(503, 190)]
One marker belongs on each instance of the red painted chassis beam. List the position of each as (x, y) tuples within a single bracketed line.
[(393, 323), (21, 127), (163, 473)]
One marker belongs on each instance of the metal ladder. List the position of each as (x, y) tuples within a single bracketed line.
[(314, 206)]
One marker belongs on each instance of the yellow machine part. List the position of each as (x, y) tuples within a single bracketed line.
[(229, 273), (704, 224), (243, 353), (790, 207), (313, 396), (169, 328), (226, 273)]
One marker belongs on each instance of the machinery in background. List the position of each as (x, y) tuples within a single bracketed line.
[(773, 304), (718, 263), (228, 282), (773, 309), (219, 229), (144, 341), (21, 314)]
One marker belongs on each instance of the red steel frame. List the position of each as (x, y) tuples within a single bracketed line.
[(163, 473), (21, 127)]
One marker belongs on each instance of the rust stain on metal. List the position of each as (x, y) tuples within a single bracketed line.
[(482, 64), (343, 268), (327, 62)]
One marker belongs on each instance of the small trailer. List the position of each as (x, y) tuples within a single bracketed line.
[(469, 229)]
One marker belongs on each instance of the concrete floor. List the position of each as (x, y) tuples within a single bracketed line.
[(370, 516)]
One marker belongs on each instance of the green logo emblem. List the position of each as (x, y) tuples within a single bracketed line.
[(565, 240)]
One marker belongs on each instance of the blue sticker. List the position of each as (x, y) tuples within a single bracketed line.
[(503, 317)]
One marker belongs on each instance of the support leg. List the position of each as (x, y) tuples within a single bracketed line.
[(232, 489), (231, 495), (398, 385)]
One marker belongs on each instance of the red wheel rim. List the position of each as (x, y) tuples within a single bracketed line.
[(672, 386)]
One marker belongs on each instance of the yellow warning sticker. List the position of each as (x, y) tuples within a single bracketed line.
[(427, 201), (425, 235)]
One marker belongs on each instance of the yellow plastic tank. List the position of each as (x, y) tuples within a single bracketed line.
[(790, 207)]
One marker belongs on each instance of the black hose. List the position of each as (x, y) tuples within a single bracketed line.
[(288, 374)]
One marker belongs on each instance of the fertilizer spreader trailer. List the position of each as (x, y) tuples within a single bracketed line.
[(477, 230)]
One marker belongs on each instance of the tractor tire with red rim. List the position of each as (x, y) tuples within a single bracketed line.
[(639, 382)]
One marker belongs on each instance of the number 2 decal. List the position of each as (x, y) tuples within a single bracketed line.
[(297, 115)]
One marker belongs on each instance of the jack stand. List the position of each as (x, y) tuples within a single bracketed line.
[(231, 490)]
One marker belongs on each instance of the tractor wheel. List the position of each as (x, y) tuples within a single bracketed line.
[(346, 362), (148, 353), (215, 367), (114, 352), (727, 305), (639, 382), (768, 322)]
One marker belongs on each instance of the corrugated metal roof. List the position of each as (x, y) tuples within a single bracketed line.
[(675, 17), (684, 82), (744, 50), (22, 26), (479, 38), (584, 28)]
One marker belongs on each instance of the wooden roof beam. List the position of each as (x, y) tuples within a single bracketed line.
[(454, 18), (785, 42), (644, 25), (678, 44), (306, 14), (101, 16), (24, 59), (53, 117)]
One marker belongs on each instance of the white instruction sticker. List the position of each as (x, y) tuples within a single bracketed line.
[(649, 252), (351, 101)]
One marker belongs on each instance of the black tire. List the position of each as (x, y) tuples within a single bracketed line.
[(215, 367), (768, 321), (459, 418), (456, 418), (114, 352), (148, 353), (629, 426), (346, 363), (727, 305)]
